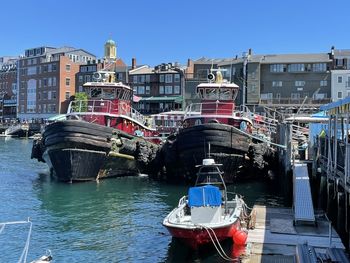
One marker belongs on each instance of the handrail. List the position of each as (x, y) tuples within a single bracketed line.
[(105, 106)]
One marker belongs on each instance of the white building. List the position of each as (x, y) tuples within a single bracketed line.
[(340, 84)]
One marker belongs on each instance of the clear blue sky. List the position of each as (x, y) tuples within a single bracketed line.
[(156, 31)]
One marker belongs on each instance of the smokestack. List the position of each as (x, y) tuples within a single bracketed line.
[(250, 52), (133, 63)]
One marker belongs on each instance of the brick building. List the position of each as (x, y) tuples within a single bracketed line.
[(46, 78), (8, 87)]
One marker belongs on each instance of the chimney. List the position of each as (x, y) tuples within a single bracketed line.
[(250, 52), (133, 63)]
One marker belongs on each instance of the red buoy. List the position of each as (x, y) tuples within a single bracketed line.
[(232, 231), (240, 237)]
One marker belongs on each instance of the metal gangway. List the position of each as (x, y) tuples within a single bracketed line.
[(302, 199)]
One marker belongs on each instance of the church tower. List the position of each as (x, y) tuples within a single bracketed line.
[(110, 50)]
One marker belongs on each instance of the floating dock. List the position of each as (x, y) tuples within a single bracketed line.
[(275, 237)]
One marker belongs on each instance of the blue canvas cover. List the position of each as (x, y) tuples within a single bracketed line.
[(204, 196)]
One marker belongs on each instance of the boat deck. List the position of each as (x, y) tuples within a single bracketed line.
[(274, 237)]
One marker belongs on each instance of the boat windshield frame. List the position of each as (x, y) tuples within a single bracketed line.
[(219, 180)]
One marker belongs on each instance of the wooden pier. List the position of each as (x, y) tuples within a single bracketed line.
[(275, 237)]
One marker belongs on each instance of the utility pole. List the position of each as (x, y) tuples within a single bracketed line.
[(245, 63)]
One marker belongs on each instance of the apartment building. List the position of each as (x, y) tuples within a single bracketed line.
[(281, 81), (159, 89), (8, 87), (47, 80)]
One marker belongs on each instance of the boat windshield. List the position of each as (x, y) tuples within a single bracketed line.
[(209, 175)]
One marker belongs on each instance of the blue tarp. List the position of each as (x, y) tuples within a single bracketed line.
[(204, 196)]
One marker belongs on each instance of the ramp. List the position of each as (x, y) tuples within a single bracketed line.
[(302, 200)]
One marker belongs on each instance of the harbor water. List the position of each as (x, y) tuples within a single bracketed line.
[(115, 220)]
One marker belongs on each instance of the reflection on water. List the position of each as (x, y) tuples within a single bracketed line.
[(116, 220)]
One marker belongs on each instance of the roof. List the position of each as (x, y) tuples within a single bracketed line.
[(269, 59), (341, 52), (110, 41), (141, 70), (335, 104), (177, 99)]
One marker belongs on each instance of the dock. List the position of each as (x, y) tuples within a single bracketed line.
[(275, 237)]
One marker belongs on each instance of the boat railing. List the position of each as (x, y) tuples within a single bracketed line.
[(182, 200), (106, 106), (212, 108)]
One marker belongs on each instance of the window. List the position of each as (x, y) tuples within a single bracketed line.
[(31, 71), (177, 78), (148, 78), (319, 67), (80, 88), (141, 90), (296, 67), (161, 78), (67, 95), (141, 79), (277, 68), (177, 89), (340, 95), (49, 67), (134, 79), (168, 89), (49, 82), (295, 96), (168, 78), (277, 83), (49, 95), (148, 89), (340, 79), (161, 89), (68, 67), (54, 94), (54, 67), (299, 83), (67, 81), (323, 83), (87, 78), (134, 89), (278, 95)]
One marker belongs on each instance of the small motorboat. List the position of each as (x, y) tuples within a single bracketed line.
[(207, 215)]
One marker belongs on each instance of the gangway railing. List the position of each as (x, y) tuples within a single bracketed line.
[(302, 199)]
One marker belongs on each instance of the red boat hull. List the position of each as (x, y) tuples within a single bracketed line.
[(195, 238)]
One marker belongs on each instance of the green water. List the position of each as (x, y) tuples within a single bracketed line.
[(115, 220)]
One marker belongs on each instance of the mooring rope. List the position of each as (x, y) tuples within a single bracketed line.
[(24, 254), (216, 244)]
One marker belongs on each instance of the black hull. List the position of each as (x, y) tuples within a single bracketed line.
[(71, 165), (228, 146), (82, 151)]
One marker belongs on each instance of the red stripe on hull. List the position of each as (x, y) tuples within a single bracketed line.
[(195, 238)]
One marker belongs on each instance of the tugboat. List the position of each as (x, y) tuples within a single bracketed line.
[(103, 135), (207, 214), (214, 120)]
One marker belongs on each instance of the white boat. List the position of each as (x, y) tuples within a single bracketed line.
[(207, 213), (24, 254)]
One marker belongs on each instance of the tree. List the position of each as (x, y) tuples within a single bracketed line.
[(81, 102)]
